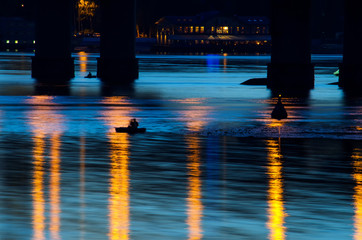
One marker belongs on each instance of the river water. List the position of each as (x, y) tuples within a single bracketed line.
[(212, 164)]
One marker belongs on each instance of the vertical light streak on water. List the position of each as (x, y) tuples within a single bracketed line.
[(195, 122), (55, 186), (83, 60), (82, 185), (38, 187), (194, 203), (357, 175), (43, 121), (119, 200), (225, 62), (276, 209)]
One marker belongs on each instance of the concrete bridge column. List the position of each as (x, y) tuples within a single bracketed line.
[(290, 66), (117, 62), (53, 35), (350, 71)]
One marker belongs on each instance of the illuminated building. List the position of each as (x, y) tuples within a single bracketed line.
[(212, 32)]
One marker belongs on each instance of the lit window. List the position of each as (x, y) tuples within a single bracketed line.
[(202, 29), (191, 29), (34, 42), (16, 41), (238, 29), (225, 30), (197, 29), (212, 29), (7, 41)]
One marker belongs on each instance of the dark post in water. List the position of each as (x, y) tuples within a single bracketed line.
[(53, 35), (290, 66), (117, 62), (350, 76)]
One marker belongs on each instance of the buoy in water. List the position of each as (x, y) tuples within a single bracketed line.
[(279, 111)]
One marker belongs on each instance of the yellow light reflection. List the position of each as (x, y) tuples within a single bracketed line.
[(55, 187), (83, 60), (357, 175), (276, 209), (194, 203), (119, 188), (45, 121), (38, 188), (225, 62), (195, 113), (195, 116), (119, 200)]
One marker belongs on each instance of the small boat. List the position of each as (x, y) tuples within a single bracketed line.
[(90, 75), (279, 111), (130, 130)]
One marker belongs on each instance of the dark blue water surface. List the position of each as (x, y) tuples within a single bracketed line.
[(212, 164)]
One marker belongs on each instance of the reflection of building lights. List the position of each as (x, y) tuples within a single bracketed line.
[(119, 199), (357, 175), (55, 187), (83, 58), (119, 188), (38, 188), (275, 192), (44, 121), (194, 203)]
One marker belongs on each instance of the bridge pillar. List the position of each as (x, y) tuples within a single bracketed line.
[(53, 34), (350, 71), (117, 62), (290, 66)]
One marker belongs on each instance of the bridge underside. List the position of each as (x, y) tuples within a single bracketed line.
[(290, 66)]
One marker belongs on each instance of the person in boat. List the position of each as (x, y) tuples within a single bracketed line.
[(89, 75), (279, 111), (133, 124)]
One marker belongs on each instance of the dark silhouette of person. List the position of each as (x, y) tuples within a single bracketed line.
[(133, 124), (279, 111)]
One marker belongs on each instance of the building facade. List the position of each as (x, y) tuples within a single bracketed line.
[(212, 32)]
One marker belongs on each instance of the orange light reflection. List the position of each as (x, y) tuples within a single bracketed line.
[(119, 187), (194, 116), (38, 187), (83, 60), (357, 175), (276, 209), (45, 121), (119, 199), (194, 203), (55, 187)]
